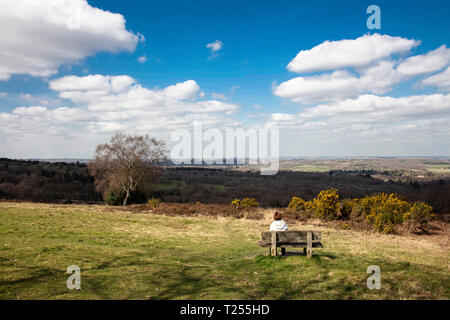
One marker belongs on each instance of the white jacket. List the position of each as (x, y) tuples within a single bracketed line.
[(278, 225)]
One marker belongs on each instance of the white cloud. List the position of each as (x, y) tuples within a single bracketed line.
[(39, 36), (340, 84), (3, 94), (215, 46), (282, 117), (382, 109), (318, 88), (432, 61), (187, 90), (349, 53), (374, 72), (142, 59), (370, 110), (441, 80), (219, 96), (369, 125), (105, 104)]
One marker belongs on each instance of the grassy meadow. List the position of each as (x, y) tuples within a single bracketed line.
[(139, 255)]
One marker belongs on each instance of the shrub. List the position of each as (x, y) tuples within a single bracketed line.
[(420, 212), (346, 208), (310, 206), (113, 198), (154, 202), (357, 212), (369, 202), (326, 204), (244, 203), (297, 204), (387, 211)]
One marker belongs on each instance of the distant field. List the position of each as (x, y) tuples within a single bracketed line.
[(125, 255), (430, 168)]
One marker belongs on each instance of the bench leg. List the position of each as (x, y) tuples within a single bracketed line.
[(309, 244), (304, 251), (283, 251), (274, 244)]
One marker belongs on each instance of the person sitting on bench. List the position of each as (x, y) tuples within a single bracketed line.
[(278, 224)]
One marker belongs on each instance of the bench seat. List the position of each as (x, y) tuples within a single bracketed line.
[(297, 238)]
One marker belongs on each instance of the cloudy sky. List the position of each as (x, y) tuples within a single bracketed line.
[(74, 72)]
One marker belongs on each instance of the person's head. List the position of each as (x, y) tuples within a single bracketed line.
[(277, 216)]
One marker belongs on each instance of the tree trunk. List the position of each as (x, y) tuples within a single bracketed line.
[(125, 201)]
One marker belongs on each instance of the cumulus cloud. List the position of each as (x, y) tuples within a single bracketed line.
[(349, 53), (187, 90), (432, 61), (382, 109), (375, 72), (39, 36), (215, 46), (369, 125), (441, 80), (105, 104), (340, 84), (368, 112)]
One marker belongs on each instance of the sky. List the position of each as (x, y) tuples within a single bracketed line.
[(74, 72)]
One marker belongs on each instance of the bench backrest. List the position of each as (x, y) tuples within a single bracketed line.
[(291, 236)]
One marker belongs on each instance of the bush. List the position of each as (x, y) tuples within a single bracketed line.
[(116, 198), (346, 208), (357, 213), (310, 206), (154, 202), (419, 214), (113, 198), (297, 204), (369, 202), (387, 211), (244, 203), (326, 204)]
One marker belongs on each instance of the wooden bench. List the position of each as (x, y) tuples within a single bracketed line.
[(299, 239)]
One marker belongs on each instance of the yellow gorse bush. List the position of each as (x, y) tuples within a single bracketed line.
[(326, 204), (297, 203), (244, 203), (154, 202), (419, 212), (386, 211), (382, 211)]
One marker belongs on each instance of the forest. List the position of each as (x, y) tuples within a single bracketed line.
[(71, 183)]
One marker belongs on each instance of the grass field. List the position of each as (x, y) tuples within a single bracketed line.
[(125, 255)]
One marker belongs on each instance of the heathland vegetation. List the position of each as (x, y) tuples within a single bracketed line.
[(132, 253), (192, 232), (72, 182)]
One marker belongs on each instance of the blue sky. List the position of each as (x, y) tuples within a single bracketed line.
[(259, 40)]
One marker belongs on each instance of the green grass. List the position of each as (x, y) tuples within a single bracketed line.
[(123, 255)]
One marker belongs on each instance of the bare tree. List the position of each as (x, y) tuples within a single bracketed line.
[(127, 163)]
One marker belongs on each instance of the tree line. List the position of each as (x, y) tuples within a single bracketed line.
[(129, 169)]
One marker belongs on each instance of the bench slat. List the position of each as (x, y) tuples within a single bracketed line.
[(291, 236), (315, 244)]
